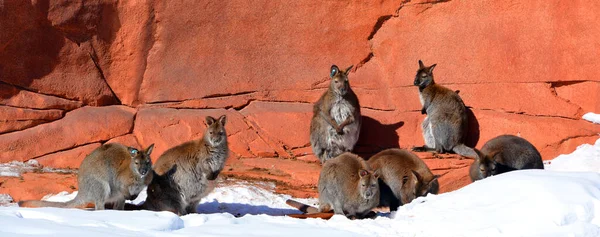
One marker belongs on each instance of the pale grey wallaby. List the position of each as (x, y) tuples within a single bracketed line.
[(503, 154), (348, 186), (336, 120), (112, 173), (445, 127), (199, 162), (404, 177)]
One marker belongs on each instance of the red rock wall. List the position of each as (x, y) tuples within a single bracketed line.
[(75, 74)]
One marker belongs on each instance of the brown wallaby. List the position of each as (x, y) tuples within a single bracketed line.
[(503, 154), (112, 173), (336, 120), (446, 124), (403, 177), (348, 186), (199, 162)]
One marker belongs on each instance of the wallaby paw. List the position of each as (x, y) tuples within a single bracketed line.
[(418, 149)]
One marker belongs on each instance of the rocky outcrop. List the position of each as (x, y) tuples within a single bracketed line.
[(76, 74)]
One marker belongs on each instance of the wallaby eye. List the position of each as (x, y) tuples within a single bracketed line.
[(336, 81), (211, 132)]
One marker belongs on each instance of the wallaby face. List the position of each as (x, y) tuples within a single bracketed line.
[(339, 80), (369, 185), (141, 163), (215, 132), (424, 75), (163, 194), (423, 187)]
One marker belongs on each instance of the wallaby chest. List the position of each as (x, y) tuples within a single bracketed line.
[(341, 109)]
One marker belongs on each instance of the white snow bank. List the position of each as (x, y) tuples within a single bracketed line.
[(592, 117), (15, 168), (521, 203), (585, 158)]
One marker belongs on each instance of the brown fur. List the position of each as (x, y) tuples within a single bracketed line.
[(110, 174), (336, 121), (502, 154), (199, 162), (348, 186), (407, 177), (446, 125)]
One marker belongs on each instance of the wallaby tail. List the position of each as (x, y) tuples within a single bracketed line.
[(77, 202), (302, 207), (466, 151)]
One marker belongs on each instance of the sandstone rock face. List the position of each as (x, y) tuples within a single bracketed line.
[(76, 74)]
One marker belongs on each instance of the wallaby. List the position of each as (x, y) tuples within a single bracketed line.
[(336, 120), (112, 173), (446, 124), (348, 186), (163, 194), (503, 154), (199, 162), (403, 177)]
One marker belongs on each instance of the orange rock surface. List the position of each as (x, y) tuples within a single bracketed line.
[(74, 75)]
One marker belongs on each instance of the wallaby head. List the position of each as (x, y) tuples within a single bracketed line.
[(163, 193), (369, 185), (424, 75), (215, 132), (141, 163), (339, 80), (484, 166), (423, 186)]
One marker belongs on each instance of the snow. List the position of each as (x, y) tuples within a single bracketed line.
[(592, 117), (563, 200)]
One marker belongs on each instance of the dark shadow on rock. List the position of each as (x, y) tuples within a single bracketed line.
[(473, 133), (375, 136), (29, 46)]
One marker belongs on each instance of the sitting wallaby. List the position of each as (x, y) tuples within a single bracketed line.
[(163, 194), (199, 162), (505, 153), (112, 173), (336, 120), (348, 186), (446, 124), (403, 177)]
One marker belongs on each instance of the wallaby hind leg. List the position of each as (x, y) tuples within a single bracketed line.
[(119, 205), (428, 133), (337, 208), (191, 208)]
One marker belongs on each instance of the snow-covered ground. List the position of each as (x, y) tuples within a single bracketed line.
[(563, 200)]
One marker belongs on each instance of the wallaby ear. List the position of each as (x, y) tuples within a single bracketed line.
[(334, 70), (417, 175), (132, 151), (431, 68), (149, 149), (210, 120), (363, 173), (171, 171), (376, 174), (421, 65), (222, 120), (348, 70)]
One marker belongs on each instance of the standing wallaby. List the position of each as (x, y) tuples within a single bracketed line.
[(446, 124), (503, 154), (112, 173), (336, 120), (199, 162), (348, 186), (403, 177)]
